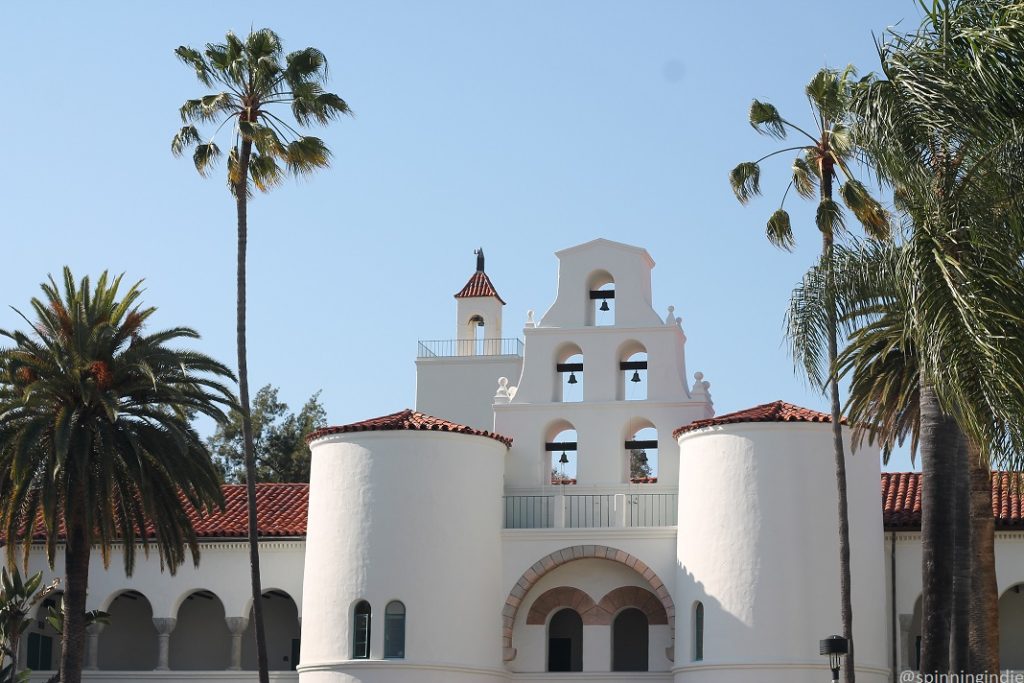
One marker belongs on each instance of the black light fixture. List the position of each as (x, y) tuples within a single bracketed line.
[(572, 378), (636, 376), (604, 305), (835, 648)]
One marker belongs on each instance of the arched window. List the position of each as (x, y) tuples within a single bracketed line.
[(629, 641), (565, 641), (633, 377), (361, 631), (698, 632), (394, 630)]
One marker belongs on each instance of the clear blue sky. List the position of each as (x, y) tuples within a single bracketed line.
[(522, 128)]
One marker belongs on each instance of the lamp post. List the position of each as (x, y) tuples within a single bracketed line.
[(834, 647)]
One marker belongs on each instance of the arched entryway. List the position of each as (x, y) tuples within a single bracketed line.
[(630, 638), (281, 625), (582, 552), (565, 641), (201, 640), (129, 641)]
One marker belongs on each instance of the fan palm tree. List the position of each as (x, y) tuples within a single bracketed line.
[(822, 164), (255, 78), (95, 442)]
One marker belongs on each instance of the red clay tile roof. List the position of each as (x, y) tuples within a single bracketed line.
[(281, 513), (407, 420), (479, 285), (901, 500), (777, 411)]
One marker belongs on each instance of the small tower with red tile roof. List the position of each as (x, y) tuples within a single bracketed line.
[(456, 378), (478, 318)]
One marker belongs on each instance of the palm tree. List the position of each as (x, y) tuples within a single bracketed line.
[(940, 128), (95, 442), (872, 293), (822, 163), (254, 77)]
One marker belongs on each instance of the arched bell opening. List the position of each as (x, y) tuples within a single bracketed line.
[(568, 374), (601, 299), (640, 452), (632, 372)]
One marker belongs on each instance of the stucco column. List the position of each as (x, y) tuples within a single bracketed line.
[(237, 626), (92, 646), (164, 626)]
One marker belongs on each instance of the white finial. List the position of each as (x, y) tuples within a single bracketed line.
[(502, 395), (529, 319), (671, 317)]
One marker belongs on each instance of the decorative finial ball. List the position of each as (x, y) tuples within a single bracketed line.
[(698, 376)]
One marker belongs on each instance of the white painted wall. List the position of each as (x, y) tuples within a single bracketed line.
[(410, 516), (757, 545), (461, 388)]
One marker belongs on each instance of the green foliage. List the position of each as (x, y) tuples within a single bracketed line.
[(18, 597), (93, 424), (256, 76), (639, 468), (279, 438)]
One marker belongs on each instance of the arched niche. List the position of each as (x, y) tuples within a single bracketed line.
[(630, 640), (281, 624), (40, 642), (129, 641)]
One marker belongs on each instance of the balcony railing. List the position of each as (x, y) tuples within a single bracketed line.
[(451, 348), (591, 511)]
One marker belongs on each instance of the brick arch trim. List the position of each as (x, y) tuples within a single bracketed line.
[(637, 597), (580, 552), (557, 598)]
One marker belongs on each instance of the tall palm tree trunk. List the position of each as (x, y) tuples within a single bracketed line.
[(939, 434), (959, 659), (845, 589), (76, 568), (241, 199), (983, 638)]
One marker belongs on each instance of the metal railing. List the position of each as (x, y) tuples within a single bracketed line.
[(651, 509), (450, 348), (529, 512), (591, 511)]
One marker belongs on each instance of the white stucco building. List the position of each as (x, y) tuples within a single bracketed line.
[(564, 505)]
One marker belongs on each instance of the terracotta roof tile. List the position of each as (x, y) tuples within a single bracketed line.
[(281, 512), (901, 500), (407, 420), (479, 285), (777, 411)]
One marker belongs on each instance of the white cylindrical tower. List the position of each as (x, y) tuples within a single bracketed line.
[(758, 552), (403, 553)]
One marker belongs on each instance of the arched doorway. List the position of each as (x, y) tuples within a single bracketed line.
[(565, 641), (630, 639)]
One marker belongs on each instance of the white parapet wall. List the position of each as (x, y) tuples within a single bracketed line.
[(758, 549)]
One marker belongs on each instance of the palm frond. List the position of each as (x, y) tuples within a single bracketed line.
[(829, 218), (765, 119), (803, 178), (868, 211), (745, 180), (779, 231)]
